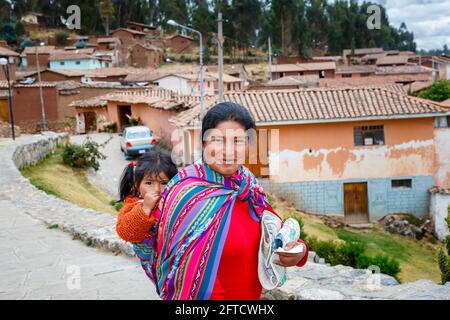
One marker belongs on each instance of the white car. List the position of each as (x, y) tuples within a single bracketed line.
[(136, 141)]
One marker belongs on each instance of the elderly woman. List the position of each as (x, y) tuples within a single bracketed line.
[(206, 241)]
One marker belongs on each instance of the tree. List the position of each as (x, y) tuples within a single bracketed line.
[(20, 29), (106, 11), (439, 91), (8, 33), (61, 38)]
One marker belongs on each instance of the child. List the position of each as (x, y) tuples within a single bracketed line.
[(140, 187)]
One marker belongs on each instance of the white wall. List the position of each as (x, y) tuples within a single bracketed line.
[(438, 210), (442, 143), (173, 83)]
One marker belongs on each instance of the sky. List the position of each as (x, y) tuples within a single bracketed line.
[(429, 20)]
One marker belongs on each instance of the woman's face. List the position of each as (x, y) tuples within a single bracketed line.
[(225, 147)]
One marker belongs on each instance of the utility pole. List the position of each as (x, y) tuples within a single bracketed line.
[(220, 55), (270, 61), (44, 122)]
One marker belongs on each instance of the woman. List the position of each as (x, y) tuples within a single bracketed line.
[(205, 243)]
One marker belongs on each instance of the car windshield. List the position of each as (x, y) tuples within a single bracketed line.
[(138, 135)]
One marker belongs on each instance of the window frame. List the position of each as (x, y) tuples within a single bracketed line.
[(361, 133)]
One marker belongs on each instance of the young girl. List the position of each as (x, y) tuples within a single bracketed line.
[(140, 187)]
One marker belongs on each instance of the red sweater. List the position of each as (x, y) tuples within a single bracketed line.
[(240, 252)]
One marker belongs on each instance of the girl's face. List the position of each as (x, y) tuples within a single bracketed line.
[(153, 184), (225, 147)]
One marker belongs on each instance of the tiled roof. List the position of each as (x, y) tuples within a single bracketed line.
[(71, 56), (373, 56), (320, 104), (312, 66), (363, 51), (356, 69), (41, 50), (446, 103), (155, 97), (8, 52), (107, 40), (294, 80), (418, 86), (371, 80), (403, 69), (392, 60), (130, 31)]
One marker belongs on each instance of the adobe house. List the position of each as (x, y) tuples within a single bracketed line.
[(144, 56), (13, 59), (142, 27), (180, 43), (28, 56), (189, 83), (322, 69), (355, 71), (347, 151), (153, 106)]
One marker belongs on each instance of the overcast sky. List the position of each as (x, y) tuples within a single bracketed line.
[(428, 19)]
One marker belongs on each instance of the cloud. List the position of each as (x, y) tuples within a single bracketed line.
[(429, 20)]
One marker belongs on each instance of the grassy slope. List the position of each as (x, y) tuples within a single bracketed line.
[(416, 258), (53, 177)]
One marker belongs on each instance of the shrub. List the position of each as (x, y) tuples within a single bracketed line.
[(112, 127), (61, 38), (387, 265), (83, 156), (443, 256), (353, 254)]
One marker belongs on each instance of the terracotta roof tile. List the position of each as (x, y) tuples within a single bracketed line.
[(320, 104)]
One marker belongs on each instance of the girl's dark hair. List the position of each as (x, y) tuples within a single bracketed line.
[(227, 111), (152, 162)]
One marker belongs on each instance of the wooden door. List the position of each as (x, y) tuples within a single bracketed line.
[(356, 203)]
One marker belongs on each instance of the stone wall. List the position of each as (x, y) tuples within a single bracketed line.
[(29, 154)]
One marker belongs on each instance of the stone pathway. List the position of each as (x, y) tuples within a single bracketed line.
[(41, 263)]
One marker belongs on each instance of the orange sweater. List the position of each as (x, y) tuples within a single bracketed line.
[(133, 223)]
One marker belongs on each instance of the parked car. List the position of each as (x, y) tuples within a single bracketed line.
[(136, 140)]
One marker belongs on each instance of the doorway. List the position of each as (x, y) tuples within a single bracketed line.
[(123, 111), (356, 203)]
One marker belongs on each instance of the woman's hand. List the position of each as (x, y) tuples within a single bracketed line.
[(290, 259)]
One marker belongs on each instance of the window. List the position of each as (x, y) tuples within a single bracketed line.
[(346, 75), (401, 183), (61, 63), (77, 62), (365, 74), (442, 122), (322, 74), (368, 135)]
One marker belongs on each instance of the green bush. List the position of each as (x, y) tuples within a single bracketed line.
[(83, 156), (387, 265), (112, 127), (61, 38), (353, 254), (443, 256)]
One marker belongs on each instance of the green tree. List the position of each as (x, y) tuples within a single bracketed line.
[(439, 91), (106, 11), (8, 33)]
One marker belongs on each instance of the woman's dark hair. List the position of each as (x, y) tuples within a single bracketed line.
[(227, 111), (152, 162)]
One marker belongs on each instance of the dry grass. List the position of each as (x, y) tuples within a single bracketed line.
[(53, 177)]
